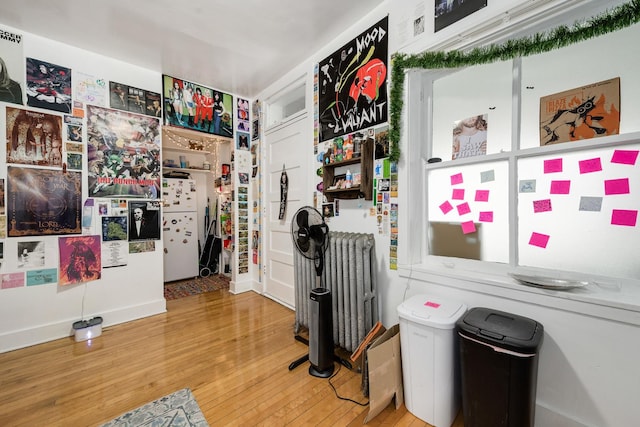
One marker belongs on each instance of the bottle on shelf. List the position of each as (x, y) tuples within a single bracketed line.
[(348, 179)]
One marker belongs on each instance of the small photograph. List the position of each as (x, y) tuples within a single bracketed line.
[(74, 133), (242, 139), (327, 210), (153, 104), (118, 96), (30, 254), (136, 100), (243, 177), (74, 161)]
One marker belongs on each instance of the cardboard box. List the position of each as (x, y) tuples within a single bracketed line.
[(385, 372)]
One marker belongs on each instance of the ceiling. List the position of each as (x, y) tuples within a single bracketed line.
[(235, 46)]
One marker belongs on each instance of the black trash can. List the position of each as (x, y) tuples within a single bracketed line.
[(499, 367)]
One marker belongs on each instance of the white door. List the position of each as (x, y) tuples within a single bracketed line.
[(290, 146)]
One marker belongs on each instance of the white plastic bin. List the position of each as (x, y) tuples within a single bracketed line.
[(429, 350)]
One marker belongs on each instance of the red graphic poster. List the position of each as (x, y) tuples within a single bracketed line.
[(80, 259)]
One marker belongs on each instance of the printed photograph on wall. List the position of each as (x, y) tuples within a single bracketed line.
[(80, 259), (353, 84), (470, 137), (12, 74), (48, 86), (30, 254), (43, 202), (144, 220), (581, 113), (242, 141), (123, 154), (196, 107), (34, 138), (448, 12)]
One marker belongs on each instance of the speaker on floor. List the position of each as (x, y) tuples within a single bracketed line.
[(320, 333)]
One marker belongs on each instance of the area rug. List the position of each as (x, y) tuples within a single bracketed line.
[(178, 409), (199, 285)]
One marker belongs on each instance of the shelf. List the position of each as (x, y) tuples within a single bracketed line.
[(366, 175), (185, 150), (187, 169)]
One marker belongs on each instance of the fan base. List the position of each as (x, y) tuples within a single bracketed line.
[(321, 373)]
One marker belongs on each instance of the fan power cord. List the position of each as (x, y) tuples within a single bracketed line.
[(336, 391)]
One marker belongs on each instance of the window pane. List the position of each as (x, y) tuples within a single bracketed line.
[(578, 211), (468, 211), (580, 65), (483, 90)]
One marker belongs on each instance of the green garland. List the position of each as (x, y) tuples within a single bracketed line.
[(620, 17)]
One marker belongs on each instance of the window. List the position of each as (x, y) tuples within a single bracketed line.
[(511, 213)]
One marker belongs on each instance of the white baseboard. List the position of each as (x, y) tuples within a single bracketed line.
[(14, 340)]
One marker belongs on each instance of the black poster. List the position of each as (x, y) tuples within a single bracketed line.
[(353, 84), (43, 202)]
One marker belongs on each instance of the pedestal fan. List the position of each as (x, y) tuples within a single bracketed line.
[(310, 235)]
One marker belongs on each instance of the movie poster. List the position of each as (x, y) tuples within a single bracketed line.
[(48, 86), (123, 154), (196, 107), (80, 259), (11, 67), (353, 84), (581, 113), (34, 138), (43, 202)]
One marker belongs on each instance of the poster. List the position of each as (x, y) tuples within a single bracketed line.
[(34, 138), (48, 86), (80, 259), (196, 107), (11, 67), (115, 254), (448, 12), (89, 89), (43, 202), (123, 154), (581, 113), (469, 137), (144, 221), (353, 84)]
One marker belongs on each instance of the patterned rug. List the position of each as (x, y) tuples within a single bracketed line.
[(178, 409), (198, 285)]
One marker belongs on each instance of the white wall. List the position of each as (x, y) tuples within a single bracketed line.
[(34, 314), (588, 371)]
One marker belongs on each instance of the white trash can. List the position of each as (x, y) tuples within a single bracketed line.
[(430, 368)]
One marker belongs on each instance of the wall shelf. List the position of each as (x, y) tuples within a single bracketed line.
[(365, 189)]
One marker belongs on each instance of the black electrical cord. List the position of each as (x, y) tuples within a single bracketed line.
[(336, 391)]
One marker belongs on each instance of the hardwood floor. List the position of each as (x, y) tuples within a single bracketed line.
[(232, 351)]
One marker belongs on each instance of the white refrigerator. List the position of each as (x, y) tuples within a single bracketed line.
[(180, 229)]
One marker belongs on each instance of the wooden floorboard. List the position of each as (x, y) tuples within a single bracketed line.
[(232, 351)]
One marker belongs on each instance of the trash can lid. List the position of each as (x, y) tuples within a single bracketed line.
[(505, 330), (431, 311)]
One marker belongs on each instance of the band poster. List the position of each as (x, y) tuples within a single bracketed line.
[(192, 106), (43, 202), (34, 138), (123, 154), (353, 84)]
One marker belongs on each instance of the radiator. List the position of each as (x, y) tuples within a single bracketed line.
[(350, 274)]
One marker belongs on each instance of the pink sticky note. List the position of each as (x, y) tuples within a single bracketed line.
[(468, 227), (432, 304), (542, 205), (486, 216), (590, 165), (463, 208), (553, 165), (625, 157), (616, 186), (446, 207), (456, 179), (624, 217), (458, 194), (539, 240), (560, 187), (482, 195)]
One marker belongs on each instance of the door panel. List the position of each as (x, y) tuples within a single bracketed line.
[(290, 147)]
